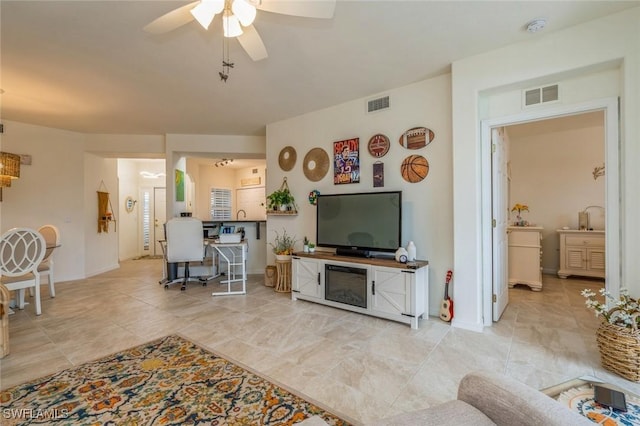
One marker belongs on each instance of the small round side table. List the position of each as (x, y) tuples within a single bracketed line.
[(283, 269)]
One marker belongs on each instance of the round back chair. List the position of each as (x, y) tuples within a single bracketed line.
[(21, 251)]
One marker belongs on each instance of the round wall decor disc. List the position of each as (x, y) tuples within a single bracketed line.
[(414, 168), (378, 145), (316, 164), (287, 158), (416, 138)]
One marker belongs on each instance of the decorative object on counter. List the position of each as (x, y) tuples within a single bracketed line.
[(416, 138), (346, 161), (283, 245), (414, 168), (287, 158), (520, 208), (411, 252), (378, 174), (312, 248), (281, 200), (316, 164), (598, 171), (378, 145), (305, 245), (313, 197), (618, 335), (402, 255)]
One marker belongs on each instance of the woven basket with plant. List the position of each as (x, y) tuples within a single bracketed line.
[(618, 335)]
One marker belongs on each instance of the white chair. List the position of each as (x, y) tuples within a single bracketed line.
[(52, 237), (184, 244), (21, 251)]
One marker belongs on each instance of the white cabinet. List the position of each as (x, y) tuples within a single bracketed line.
[(525, 253), (307, 278), (582, 253), (391, 289)]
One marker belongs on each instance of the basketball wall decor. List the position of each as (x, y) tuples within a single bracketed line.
[(414, 168), (378, 145), (416, 138)]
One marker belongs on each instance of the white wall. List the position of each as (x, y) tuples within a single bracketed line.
[(551, 171), (427, 205), (100, 174), (49, 191), (558, 56)]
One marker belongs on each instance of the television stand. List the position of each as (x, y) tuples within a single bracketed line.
[(389, 289)]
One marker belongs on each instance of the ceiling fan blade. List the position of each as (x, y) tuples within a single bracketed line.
[(252, 43), (172, 20), (304, 8)]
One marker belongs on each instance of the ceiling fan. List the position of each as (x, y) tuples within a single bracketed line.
[(238, 16)]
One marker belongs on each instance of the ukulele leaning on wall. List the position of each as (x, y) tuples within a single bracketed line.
[(446, 308)]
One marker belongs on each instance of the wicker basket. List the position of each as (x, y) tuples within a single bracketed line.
[(620, 349)]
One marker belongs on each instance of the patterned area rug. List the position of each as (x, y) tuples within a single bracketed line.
[(170, 381), (581, 399)]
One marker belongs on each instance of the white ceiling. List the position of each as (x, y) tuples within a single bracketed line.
[(88, 66)]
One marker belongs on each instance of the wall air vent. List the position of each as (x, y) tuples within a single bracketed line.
[(541, 95), (378, 104)]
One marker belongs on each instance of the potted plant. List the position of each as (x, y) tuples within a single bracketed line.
[(312, 248), (281, 199), (305, 245), (283, 245)]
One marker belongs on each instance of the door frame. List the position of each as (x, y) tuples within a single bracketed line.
[(613, 221)]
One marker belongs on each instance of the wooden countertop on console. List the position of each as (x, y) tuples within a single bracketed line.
[(389, 263)]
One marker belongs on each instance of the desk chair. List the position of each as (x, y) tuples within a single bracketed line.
[(184, 245), (21, 251)]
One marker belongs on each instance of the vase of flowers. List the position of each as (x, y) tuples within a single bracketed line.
[(618, 335), (520, 208)]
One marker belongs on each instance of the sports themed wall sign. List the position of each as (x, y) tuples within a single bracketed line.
[(414, 168), (378, 174), (416, 138), (378, 145), (346, 161)]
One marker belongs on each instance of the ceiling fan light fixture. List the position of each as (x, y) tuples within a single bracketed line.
[(206, 10), (245, 12), (231, 24)]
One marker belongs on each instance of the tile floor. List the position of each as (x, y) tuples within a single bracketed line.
[(361, 366)]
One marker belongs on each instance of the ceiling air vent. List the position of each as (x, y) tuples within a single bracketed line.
[(378, 104), (541, 95)]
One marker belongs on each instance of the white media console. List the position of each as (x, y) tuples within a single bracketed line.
[(379, 287)]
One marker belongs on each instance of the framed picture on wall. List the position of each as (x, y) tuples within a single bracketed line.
[(346, 161), (179, 185)]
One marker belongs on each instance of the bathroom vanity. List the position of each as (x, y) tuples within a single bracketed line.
[(582, 253), (525, 253)]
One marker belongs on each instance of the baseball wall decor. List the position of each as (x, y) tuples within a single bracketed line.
[(414, 168), (416, 138)]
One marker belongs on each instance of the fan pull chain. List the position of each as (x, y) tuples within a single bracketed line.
[(226, 62)]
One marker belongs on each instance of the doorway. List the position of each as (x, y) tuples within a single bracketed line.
[(494, 293)]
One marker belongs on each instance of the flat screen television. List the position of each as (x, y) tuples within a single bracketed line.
[(368, 221)]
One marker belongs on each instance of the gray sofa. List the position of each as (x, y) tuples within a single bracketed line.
[(493, 399), (490, 399)]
